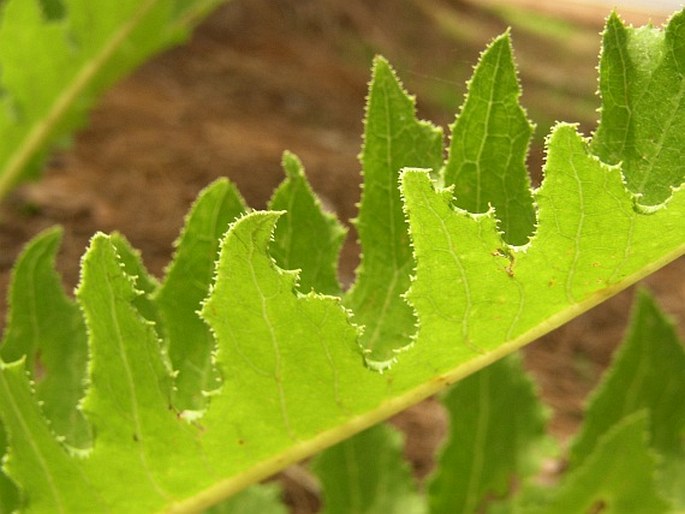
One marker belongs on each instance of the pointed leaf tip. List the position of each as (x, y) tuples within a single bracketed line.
[(489, 145), (394, 138)]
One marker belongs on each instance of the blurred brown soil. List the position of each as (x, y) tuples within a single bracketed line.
[(262, 76)]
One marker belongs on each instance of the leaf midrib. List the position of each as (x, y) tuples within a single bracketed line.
[(396, 403)]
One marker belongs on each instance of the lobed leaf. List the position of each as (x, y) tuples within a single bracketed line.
[(46, 329), (291, 365), (47, 475), (132, 264), (589, 241), (129, 396), (393, 139)]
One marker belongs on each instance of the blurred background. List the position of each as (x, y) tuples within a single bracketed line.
[(262, 76)]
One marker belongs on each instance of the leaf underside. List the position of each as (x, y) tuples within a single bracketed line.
[(496, 449), (186, 410)]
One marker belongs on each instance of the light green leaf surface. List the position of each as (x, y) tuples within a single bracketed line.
[(589, 243), (616, 479), (134, 267), (289, 361), (9, 494), (648, 374), (497, 428), (35, 459), (306, 237), (393, 139), (186, 285), (143, 450), (367, 474), (489, 143), (47, 328), (642, 83), (77, 52)]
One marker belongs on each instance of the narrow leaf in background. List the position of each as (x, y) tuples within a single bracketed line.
[(367, 474), (258, 499), (647, 375), (306, 237), (497, 430), (642, 83), (489, 144), (186, 285), (617, 478), (46, 328), (393, 139)]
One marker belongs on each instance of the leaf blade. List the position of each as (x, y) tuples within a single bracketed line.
[(367, 474), (602, 480), (490, 441), (47, 328), (642, 83), (306, 237), (187, 284), (647, 374), (35, 457), (79, 54), (393, 139), (129, 398), (489, 143)]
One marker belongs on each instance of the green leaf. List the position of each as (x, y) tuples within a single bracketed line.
[(187, 284), (617, 478), (647, 375), (497, 427), (367, 474), (9, 494), (293, 376), (129, 398), (35, 459), (489, 143), (290, 363), (133, 266), (46, 328), (307, 237), (78, 48), (393, 139), (642, 84), (259, 499), (589, 241)]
